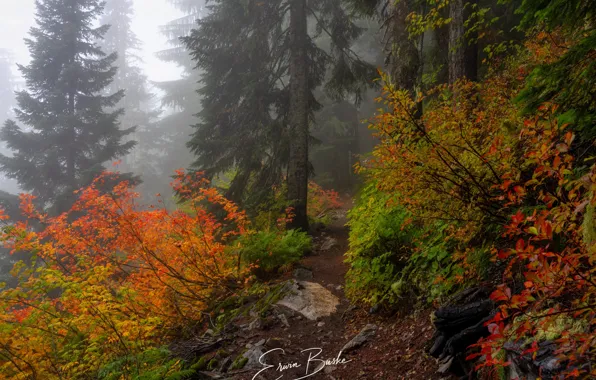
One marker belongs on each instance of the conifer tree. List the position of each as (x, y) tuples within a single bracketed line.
[(138, 101), (69, 133), (258, 88), (180, 97)]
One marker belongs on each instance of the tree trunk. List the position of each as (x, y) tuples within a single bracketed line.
[(456, 41), (404, 59), (441, 37), (298, 116), (463, 52)]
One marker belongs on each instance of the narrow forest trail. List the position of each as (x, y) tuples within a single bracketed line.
[(396, 351)]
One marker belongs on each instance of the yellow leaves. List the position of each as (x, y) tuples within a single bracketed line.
[(124, 274)]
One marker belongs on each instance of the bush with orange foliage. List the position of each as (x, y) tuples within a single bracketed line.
[(109, 279), (321, 202)]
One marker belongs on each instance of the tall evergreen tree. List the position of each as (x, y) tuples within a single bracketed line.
[(138, 101), (69, 134), (260, 76), (180, 97), (402, 55), (243, 105)]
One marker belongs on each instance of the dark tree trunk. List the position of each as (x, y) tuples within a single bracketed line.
[(463, 52), (404, 58), (299, 112), (441, 36), (456, 41)]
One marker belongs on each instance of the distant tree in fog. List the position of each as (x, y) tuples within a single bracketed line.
[(179, 96), (138, 103), (72, 129)]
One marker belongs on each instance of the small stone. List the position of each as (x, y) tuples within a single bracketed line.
[(320, 324), (328, 244), (375, 309), (284, 320), (364, 336), (303, 274), (253, 313), (255, 325), (253, 355), (260, 343)]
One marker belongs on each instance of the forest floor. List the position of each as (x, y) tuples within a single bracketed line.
[(397, 350)]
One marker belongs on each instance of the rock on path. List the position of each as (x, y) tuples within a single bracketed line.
[(310, 299)]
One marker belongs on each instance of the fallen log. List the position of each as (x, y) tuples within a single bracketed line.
[(459, 324)]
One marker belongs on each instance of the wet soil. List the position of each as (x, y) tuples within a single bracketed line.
[(397, 351)]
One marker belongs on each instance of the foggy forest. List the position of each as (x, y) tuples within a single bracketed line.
[(293, 189)]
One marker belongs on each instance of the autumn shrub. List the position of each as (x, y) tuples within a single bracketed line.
[(274, 209), (266, 252), (553, 256), (109, 281), (504, 197), (321, 203)]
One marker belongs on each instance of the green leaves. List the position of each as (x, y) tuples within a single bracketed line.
[(268, 251)]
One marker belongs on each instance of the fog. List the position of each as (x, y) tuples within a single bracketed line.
[(168, 120), (149, 15)]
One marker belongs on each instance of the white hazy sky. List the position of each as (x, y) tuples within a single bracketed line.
[(17, 16)]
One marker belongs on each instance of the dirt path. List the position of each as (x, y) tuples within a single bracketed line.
[(395, 352)]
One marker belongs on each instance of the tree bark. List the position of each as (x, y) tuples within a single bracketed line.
[(441, 37), (456, 41), (404, 59), (463, 52), (298, 116)]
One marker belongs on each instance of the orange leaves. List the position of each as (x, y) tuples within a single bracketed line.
[(122, 271), (321, 201), (3, 215)]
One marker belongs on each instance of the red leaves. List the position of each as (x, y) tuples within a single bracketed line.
[(321, 201), (532, 349), (501, 294), (3, 215), (517, 218)]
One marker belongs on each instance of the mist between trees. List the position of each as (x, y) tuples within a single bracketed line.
[(462, 129)]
